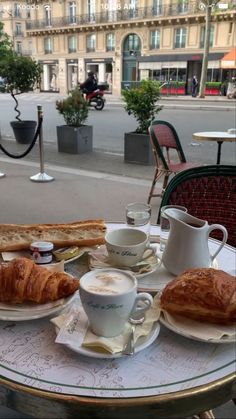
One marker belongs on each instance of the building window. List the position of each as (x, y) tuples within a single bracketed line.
[(18, 29), (17, 10), (48, 15), (72, 44), (92, 10), (72, 12), (157, 7), (19, 48), (133, 8), (180, 38), (110, 42), (202, 36), (155, 39), (182, 6), (112, 10), (48, 45), (91, 43), (132, 43), (230, 32)]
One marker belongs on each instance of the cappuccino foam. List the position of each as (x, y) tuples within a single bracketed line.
[(108, 283)]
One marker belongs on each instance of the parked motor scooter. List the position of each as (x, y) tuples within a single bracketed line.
[(96, 98)]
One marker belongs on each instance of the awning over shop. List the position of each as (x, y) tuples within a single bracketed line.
[(160, 65), (229, 60)]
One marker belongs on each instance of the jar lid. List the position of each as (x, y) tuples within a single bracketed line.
[(42, 246)]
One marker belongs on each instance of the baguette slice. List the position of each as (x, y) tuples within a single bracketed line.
[(15, 237)]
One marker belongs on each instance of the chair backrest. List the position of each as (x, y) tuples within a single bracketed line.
[(209, 193), (164, 137)]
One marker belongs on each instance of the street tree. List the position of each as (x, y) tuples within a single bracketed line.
[(208, 5), (6, 47)]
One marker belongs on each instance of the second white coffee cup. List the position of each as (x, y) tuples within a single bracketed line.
[(126, 246), (109, 297)]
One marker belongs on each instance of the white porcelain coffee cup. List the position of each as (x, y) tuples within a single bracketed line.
[(126, 246), (109, 297)]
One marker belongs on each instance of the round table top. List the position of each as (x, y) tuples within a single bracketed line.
[(172, 365), (214, 135)]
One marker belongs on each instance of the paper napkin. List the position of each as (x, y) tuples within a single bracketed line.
[(74, 330)]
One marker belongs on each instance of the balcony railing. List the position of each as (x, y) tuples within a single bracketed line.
[(19, 34), (124, 15)]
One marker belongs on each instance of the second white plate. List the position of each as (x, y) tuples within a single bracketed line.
[(39, 312), (182, 332)]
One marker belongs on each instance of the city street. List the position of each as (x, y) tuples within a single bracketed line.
[(109, 125)]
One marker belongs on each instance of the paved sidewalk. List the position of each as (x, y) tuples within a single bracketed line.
[(97, 185), (76, 193)]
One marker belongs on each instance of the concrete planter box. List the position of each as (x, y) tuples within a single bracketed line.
[(75, 140), (138, 149)]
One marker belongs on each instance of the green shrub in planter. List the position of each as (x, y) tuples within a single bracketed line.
[(141, 102), (75, 137), (74, 108), (21, 75), (213, 84)]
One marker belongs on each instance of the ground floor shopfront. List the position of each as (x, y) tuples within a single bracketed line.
[(62, 75), (174, 73)]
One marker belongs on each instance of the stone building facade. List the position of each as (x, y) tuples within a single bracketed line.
[(122, 41)]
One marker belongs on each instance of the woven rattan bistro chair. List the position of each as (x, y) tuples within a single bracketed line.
[(209, 193), (166, 147)]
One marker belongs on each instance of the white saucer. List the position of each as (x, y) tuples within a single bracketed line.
[(142, 343), (33, 311), (98, 259), (224, 339)]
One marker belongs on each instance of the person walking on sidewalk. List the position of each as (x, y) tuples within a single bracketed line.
[(194, 86)]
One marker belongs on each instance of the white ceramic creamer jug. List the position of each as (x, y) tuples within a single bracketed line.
[(187, 245)]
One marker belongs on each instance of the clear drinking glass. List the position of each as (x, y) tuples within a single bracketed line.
[(165, 225), (138, 215)]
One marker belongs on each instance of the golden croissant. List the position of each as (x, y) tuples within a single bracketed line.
[(22, 280)]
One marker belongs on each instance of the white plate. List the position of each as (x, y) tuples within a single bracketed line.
[(157, 280), (225, 339), (97, 260), (142, 343), (36, 312), (8, 256)]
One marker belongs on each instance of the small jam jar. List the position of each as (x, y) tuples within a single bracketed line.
[(41, 252)]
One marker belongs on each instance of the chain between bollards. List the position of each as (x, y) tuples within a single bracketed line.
[(1, 174), (41, 176)]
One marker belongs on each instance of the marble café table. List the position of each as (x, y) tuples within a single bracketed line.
[(174, 377)]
